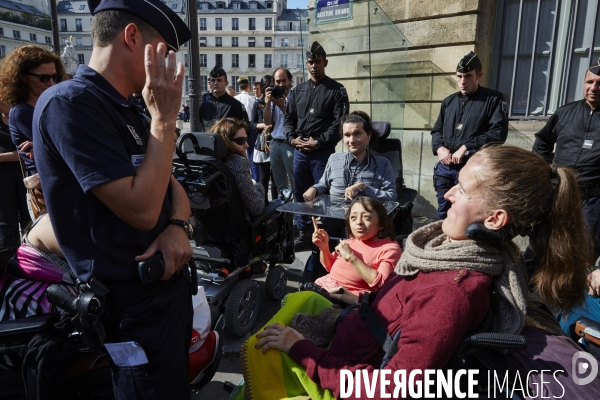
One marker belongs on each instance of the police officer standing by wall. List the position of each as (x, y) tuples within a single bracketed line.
[(575, 129), (217, 103), (468, 119), (109, 190), (312, 123)]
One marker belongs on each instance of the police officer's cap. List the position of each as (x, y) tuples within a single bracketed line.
[(170, 26), (243, 79), (315, 51), (217, 72), (595, 69), (469, 63)]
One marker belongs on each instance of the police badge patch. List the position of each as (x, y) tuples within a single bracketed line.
[(343, 91), (137, 138)]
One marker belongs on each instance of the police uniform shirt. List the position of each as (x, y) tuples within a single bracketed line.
[(213, 109), (87, 134), (472, 120), (315, 109)]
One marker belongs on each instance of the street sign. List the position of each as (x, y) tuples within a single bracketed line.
[(332, 10)]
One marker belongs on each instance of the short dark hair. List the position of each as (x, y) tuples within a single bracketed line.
[(244, 86), (107, 24), (362, 117), (287, 72), (386, 226)]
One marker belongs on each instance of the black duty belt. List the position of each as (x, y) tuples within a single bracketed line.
[(278, 140)]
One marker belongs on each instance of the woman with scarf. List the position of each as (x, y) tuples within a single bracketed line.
[(441, 290)]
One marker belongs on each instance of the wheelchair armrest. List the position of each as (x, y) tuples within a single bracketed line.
[(269, 210), (589, 330), (496, 341), (405, 197)]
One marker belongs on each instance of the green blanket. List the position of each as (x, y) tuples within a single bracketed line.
[(274, 375)]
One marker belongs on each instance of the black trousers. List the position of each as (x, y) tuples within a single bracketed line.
[(265, 177), (162, 326), (13, 205)]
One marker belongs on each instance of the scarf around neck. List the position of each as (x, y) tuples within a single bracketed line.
[(428, 250)]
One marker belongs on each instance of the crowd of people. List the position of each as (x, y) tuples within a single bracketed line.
[(112, 202)]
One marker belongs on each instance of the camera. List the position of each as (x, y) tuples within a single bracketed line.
[(277, 92)]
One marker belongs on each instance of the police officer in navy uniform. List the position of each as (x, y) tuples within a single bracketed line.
[(109, 190), (312, 126), (575, 128), (217, 104), (468, 119)]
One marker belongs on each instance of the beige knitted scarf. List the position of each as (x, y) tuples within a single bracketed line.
[(427, 249)]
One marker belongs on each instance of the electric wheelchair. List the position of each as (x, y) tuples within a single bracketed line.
[(229, 249)]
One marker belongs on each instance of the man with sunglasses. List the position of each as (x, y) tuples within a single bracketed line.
[(111, 197), (217, 103)]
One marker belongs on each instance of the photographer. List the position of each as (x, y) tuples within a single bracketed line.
[(282, 153)]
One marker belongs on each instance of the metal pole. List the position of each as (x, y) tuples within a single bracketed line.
[(194, 64), (54, 22)]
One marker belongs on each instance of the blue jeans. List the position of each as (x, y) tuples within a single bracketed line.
[(282, 164), (308, 170), (449, 178), (253, 167), (589, 309)]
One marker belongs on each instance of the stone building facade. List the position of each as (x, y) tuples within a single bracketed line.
[(22, 23), (534, 52)]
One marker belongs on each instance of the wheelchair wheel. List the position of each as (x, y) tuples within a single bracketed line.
[(276, 282), (241, 310)]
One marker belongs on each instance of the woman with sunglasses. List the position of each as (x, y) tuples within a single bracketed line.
[(25, 73), (235, 134)]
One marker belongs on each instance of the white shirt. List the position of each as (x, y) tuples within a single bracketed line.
[(248, 102)]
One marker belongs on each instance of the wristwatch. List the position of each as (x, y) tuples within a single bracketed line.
[(187, 227)]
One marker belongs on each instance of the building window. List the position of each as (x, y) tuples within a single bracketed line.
[(202, 24), (253, 5), (234, 42), (236, 5), (220, 5), (545, 50), (252, 24), (82, 6), (235, 83), (235, 24), (219, 60), (63, 25), (251, 42), (202, 41), (235, 61), (284, 60), (186, 62), (81, 58), (187, 85), (219, 24), (32, 37), (79, 42), (203, 84), (218, 42), (2, 51), (268, 42), (299, 61), (285, 42), (251, 61), (203, 61), (16, 34), (251, 81), (1, 31), (63, 42), (48, 40), (174, 6), (78, 26), (289, 26), (268, 61), (269, 4), (268, 24)]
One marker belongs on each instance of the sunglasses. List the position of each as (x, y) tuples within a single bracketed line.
[(45, 78), (240, 140)]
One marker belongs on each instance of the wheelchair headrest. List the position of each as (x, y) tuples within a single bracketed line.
[(383, 127), (208, 144)]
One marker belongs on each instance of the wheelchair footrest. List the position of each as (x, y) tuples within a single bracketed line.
[(588, 329)]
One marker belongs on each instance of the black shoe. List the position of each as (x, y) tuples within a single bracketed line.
[(302, 241)]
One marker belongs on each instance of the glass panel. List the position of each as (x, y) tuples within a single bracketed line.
[(367, 54)]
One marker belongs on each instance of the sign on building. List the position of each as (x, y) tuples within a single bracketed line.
[(332, 10)]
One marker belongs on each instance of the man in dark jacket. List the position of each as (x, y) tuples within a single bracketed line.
[(312, 124), (217, 103), (574, 128), (468, 119)]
